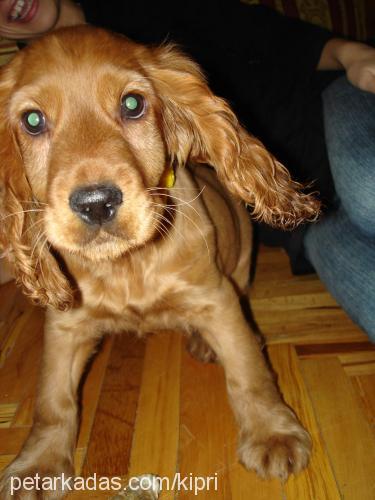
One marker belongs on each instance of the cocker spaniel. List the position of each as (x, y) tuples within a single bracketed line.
[(112, 221)]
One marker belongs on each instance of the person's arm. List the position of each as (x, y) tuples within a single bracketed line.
[(357, 59)]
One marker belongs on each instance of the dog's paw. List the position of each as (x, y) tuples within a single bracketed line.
[(47, 482), (276, 455), (200, 350)]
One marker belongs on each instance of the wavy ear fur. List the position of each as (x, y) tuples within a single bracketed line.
[(21, 238), (201, 127)]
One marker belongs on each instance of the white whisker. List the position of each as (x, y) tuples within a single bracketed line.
[(160, 225), (159, 188), (182, 202), (177, 211), (160, 230)]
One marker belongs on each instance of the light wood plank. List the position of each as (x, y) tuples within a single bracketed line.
[(79, 457), (269, 287), (344, 351), (296, 309), (155, 441), (289, 302), (91, 390), (364, 386), (346, 432), (5, 460), (308, 326), (7, 412), (209, 436), (317, 481), (290, 309), (25, 410), (19, 322), (357, 358), (112, 431), (11, 440), (20, 370), (361, 368)]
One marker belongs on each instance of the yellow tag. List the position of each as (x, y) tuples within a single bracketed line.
[(168, 179)]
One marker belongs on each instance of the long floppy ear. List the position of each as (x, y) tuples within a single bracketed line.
[(201, 127), (21, 227)]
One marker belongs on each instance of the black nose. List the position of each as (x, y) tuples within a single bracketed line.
[(96, 204)]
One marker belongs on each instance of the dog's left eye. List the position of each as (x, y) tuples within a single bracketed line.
[(132, 106), (34, 122)]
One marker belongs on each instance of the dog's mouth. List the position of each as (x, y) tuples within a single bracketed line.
[(100, 222), (97, 208), (97, 243), (102, 237)]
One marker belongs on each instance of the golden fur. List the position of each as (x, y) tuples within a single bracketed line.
[(171, 258)]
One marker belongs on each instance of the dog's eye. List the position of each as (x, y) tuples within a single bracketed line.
[(34, 122), (132, 106)]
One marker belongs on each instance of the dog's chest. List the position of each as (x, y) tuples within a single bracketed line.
[(141, 299)]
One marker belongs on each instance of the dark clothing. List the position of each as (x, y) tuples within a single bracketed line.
[(263, 63)]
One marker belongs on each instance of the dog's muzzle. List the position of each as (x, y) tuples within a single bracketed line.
[(97, 204)]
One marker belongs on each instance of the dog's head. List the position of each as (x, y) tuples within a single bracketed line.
[(90, 124)]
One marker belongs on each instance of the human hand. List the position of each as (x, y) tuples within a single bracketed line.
[(357, 59), (360, 68)]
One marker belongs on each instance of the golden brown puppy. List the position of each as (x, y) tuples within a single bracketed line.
[(105, 228)]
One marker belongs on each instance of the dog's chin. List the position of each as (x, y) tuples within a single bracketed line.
[(101, 247), (105, 249), (101, 243)]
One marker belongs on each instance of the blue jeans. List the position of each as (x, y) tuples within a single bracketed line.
[(341, 246)]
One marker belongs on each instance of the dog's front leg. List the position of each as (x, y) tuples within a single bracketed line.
[(47, 455), (272, 441)]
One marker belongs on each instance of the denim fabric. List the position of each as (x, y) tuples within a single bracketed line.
[(341, 246)]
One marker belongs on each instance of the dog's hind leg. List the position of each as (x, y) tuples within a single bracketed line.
[(200, 349)]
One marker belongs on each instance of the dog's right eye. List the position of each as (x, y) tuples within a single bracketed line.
[(133, 106), (34, 122)]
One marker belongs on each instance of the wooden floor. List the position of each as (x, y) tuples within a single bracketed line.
[(148, 407)]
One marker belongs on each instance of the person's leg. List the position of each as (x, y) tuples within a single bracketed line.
[(344, 259), (341, 246), (349, 121)]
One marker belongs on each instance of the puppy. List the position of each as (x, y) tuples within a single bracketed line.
[(110, 221)]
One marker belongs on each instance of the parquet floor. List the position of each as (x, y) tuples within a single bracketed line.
[(148, 407)]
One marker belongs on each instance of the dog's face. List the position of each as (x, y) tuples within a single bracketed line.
[(88, 128), (90, 123)]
